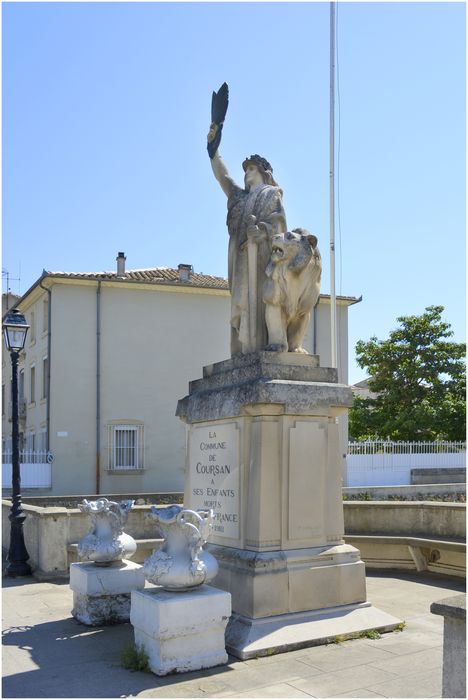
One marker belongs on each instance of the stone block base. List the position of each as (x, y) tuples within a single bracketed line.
[(101, 609), (181, 631), (263, 584), (101, 594), (248, 639)]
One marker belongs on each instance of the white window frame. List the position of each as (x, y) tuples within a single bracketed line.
[(21, 384), (124, 456), (32, 330), (32, 384), (42, 440), (31, 441), (45, 372), (45, 312)]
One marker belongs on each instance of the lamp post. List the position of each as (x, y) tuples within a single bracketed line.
[(15, 330)]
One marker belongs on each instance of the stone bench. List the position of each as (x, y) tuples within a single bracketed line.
[(449, 475), (434, 554), (145, 548)]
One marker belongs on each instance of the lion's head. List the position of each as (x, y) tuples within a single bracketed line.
[(295, 248)]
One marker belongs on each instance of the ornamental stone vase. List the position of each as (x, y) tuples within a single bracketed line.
[(106, 542), (181, 564)]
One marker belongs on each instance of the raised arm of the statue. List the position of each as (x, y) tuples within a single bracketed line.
[(221, 174)]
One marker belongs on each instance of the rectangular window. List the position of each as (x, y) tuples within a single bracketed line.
[(42, 440), (31, 442), (45, 311), (32, 330), (125, 443), (32, 394), (21, 385), (3, 399), (45, 377)]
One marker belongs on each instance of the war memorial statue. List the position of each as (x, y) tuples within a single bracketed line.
[(274, 274), (263, 440)]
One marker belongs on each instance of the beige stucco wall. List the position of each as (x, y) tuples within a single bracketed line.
[(146, 370), (73, 388), (154, 340)]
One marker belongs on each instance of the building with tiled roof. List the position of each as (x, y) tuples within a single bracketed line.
[(184, 275), (107, 357)]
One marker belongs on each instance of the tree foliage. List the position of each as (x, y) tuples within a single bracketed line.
[(417, 384)]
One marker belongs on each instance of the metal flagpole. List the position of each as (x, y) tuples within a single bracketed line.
[(333, 333)]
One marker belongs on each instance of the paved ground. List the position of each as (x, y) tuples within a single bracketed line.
[(46, 653)]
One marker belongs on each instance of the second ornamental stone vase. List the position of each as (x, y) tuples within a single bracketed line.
[(181, 564)]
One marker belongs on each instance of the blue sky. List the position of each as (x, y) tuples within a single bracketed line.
[(106, 107)]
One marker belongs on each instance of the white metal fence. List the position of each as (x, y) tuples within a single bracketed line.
[(386, 463), (35, 469)]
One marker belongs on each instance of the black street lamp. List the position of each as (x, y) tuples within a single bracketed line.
[(15, 330)]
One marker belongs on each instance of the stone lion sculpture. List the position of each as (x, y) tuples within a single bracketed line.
[(291, 288)]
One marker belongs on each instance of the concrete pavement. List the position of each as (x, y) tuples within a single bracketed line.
[(46, 653)]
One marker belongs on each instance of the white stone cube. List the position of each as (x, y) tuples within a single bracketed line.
[(117, 578), (181, 631), (101, 594)]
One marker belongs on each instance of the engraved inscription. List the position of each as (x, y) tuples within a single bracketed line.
[(214, 475)]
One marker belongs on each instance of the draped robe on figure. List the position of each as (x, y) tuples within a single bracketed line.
[(265, 203)]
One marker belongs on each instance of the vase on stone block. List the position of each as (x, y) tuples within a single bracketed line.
[(181, 564), (106, 542)]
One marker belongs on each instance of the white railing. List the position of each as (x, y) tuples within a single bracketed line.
[(386, 463), (367, 447), (35, 469)]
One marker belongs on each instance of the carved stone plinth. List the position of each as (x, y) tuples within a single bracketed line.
[(101, 594), (181, 631), (264, 454)]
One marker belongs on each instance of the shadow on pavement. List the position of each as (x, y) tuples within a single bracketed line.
[(68, 659)]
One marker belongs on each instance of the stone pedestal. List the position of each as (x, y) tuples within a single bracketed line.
[(263, 453), (453, 610), (181, 631), (101, 594)]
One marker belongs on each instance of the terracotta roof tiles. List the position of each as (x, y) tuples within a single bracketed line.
[(154, 275)]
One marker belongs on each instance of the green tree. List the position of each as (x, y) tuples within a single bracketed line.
[(418, 382)]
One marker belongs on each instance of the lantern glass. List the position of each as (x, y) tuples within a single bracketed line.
[(15, 330)]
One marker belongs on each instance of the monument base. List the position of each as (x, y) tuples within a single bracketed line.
[(248, 639), (101, 594), (264, 452), (181, 631), (290, 581)]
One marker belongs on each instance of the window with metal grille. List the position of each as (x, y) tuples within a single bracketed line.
[(125, 445)]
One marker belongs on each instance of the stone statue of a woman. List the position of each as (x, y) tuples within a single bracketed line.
[(255, 214)]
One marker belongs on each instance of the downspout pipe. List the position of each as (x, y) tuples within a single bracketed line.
[(98, 388), (49, 348)]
